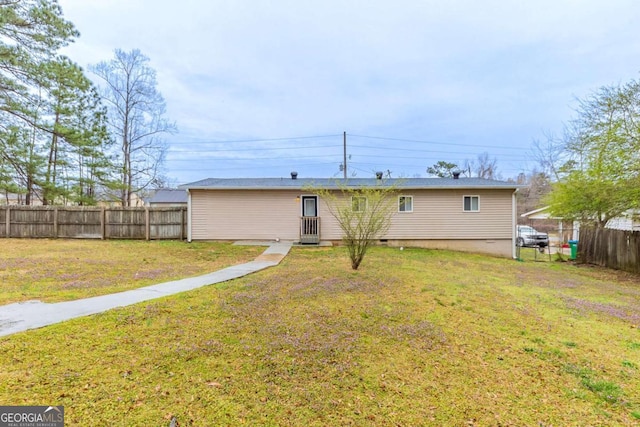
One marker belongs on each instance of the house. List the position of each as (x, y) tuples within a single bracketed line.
[(466, 214), (628, 221), (111, 200), (18, 199), (168, 197), (570, 230)]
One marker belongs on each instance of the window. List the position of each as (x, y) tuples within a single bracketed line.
[(471, 203), (358, 203), (405, 204)]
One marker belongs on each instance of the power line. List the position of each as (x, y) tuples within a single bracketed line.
[(418, 141), (253, 149), (197, 152), (420, 166), (173, 147), (311, 147), (256, 140), (431, 142), (324, 156), (203, 155), (425, 151), (252, 167)]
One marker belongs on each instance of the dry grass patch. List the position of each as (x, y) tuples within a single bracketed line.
[(62, 270), (413, 338)]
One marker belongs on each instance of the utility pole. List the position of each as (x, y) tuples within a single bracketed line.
[(344, 139)]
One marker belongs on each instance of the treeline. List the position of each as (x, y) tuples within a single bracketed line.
[(64, 140), (597, 161)]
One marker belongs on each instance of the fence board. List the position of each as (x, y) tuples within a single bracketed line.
[(126, 223), (615, 249), (27, 222), (93, 222), (167, 223), (83, 224)]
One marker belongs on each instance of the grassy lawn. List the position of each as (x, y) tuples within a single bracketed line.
[(416, 337), (62, 270)]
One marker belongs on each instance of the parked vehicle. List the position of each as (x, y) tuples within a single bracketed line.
[(530, 237)]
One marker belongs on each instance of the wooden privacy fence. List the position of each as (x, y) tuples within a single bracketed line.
[(93, 222), (610, 248)]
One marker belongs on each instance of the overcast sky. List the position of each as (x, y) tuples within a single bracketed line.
[(260, 88)]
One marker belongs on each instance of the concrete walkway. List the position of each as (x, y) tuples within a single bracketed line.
[(27, 315)]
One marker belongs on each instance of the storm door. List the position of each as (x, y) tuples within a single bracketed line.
[(310, 222)]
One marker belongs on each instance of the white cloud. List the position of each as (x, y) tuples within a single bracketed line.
[(487, 73)]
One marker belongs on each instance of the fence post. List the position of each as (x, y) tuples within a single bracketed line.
[(182, 215), (8, 222), (147, 223), (103, 225), (55, 222)]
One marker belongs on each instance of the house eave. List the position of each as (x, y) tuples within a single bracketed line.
[(307, 185)]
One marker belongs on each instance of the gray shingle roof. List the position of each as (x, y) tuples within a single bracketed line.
[(301, 183), (167, 195)]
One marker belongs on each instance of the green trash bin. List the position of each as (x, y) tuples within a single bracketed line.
[(573, 244)]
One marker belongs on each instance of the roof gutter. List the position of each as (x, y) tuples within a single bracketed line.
[(298, 188)]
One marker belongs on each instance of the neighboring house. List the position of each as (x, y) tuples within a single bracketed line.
[(466, 214), (168, 197), (628, 221), (113, 201), (560, 234), (18, 199)]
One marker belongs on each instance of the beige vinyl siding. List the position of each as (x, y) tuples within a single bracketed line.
[(330, 230), (245, 215), (439, 214), (270, 214)]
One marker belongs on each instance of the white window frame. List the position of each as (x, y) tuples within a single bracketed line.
[(471, 197), (400, 204), (360, 208)]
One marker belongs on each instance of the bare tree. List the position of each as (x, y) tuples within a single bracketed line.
[(363, 213), (487, 168), (537, 186), (551, 155), (136, 119)]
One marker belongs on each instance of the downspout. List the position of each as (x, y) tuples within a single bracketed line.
[(188, 216), (514, 222)]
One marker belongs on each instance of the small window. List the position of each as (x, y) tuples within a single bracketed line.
[(405, 204), (471, 203), (358, 203)]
